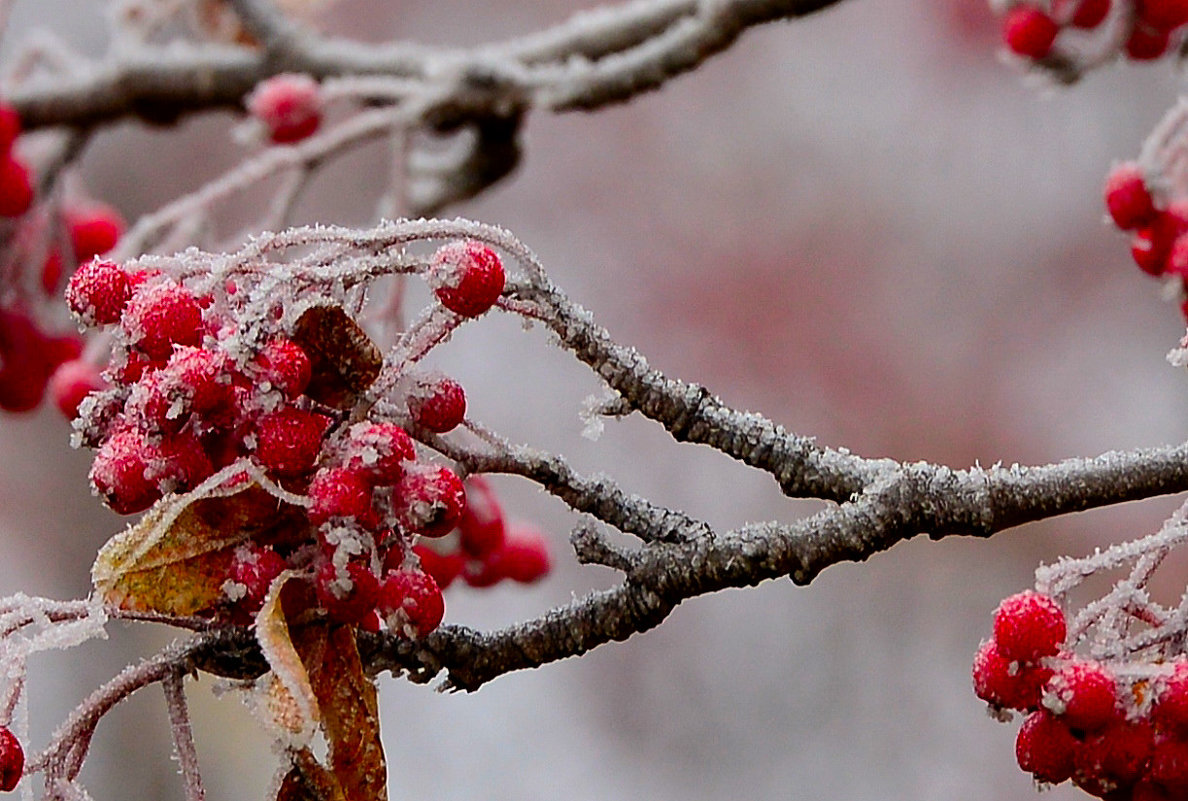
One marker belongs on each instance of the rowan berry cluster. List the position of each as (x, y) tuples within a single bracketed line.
[(215, 379), (1117, 725), (1048, 32)]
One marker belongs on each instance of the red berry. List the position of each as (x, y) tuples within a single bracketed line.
[(1146, 44), (481, 527), (1127, 198), (341, 492), (161, 315), (1028, 626), (412, 602), (1045, 747), (290, 105), (1114, 758), (1029, 32), (1083, 694), (1091, 13), (288, 441), (524, 555), (1169, 764), (94, 230), (12, 760), (438, 403), (285, 366), (380, 449), (51, 271), (71, 382), (469, 277), (27, 359), (443, 567), (98, 292), (1004, 684), (202, 380), (120, 472), (10, 128), (429, 501), (16, 187), (1170, 712), (349, 592), (1163, 15), (253, 569)]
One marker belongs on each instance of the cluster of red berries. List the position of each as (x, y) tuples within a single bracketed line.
[(1030, 29), (193, 392), (1115, 738), (1159, 229), (288, 105)]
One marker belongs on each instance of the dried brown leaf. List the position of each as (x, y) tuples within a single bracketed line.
[(345, 361)]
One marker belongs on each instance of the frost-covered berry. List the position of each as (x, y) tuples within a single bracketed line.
[(12, 760), (71, 382), (1127, 198), (524, 555), (438, 403), (1028, 626), (161, 315), (285, 366), (289, 105), (93, 230), (16, 187), (412, 602), (120, 472), (349, 592), (1029, 32), (98, 292), (380, 449), (1114, 758), (253, 569), (1083, 694), (481, 528), (429, 500), (1045, 747), (202, 379), (1001, 683), (468, 277), (288, 441), (341, 492)]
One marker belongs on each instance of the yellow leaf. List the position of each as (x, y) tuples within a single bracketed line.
[(284, 698)]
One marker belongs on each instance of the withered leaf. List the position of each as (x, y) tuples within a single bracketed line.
[(345, 361), (284, 698), (174, 560), (308, 780)]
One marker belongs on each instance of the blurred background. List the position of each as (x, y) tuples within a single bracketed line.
[(861, 224)]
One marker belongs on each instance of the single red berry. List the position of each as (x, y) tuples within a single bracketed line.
[(1127, 198), (183, 463), (71, 382), (159, 316), (1083, 694), (288, 441), (524, 555), (1114, 758), (1091, 13), (98, 292), (348, 592), (253, 569), (51, 271), (341, 492), (1001, 683), (10, 128), (94, 230), (443, 567), (1170, 711), (1169, 764), (285, 366), (12, 760), (16, 187), (1147, 44), (1162, 15), (429, 501), (1045, 747), (437, 402), (381, 449), (27, 359), (120, 472), (481, 527), (468, 277), (157, 405), (203, 380), (412, 602), (1029, 32), (289, 105), (1028, 626)]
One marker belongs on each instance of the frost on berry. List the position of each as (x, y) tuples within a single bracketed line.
[(437, 402), (379, 449), (284, 365), (1028, 626), (161, 315), (468, 277), (12, 760), (289, 105), (347, 592), (411, 602), (98, 292), (429, 500), (253, 569), (1084, 694), (288, 441), (1005, 684), (341, 492)]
